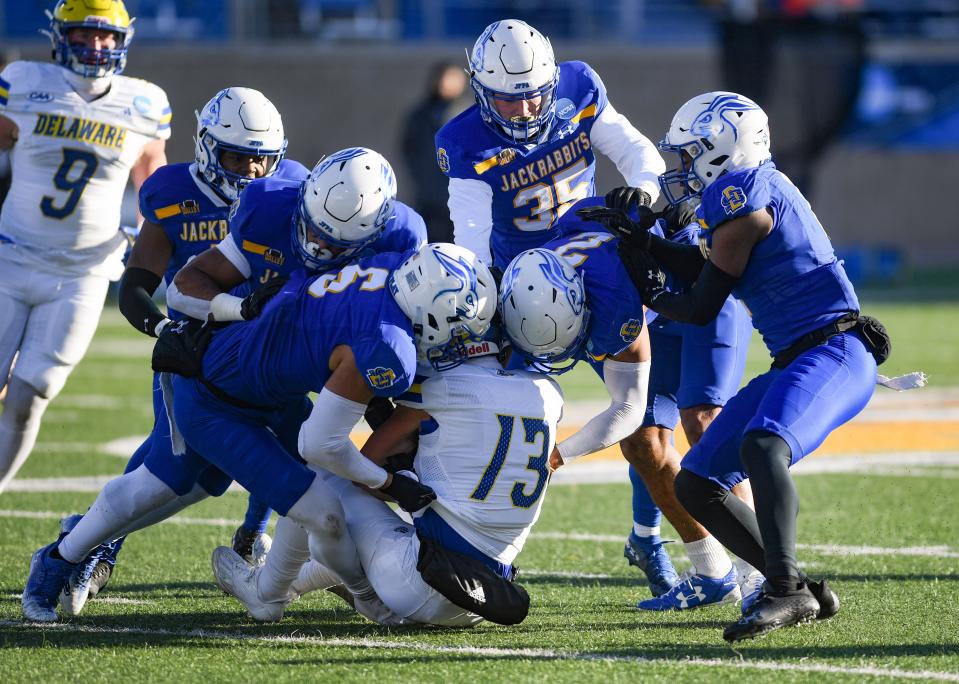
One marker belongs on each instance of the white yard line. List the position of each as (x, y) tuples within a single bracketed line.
[(824, 549), (736, 663)]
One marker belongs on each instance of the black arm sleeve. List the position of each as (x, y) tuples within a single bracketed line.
[(684, 261), (702, 303), (136, 299)]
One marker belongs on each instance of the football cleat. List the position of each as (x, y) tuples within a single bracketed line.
[(653, 560), (238, 578), (47, 578), (695, 591), (372, 608), (751, 587), (828, 601), (88, 580), (770, 612), (251, 545)]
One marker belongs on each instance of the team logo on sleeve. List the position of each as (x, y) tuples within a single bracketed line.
[(734, 199), (380, 377), (631, 329), (443, 160)]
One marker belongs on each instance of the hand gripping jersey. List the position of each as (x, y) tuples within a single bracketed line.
[(283, 354), (260, 243), (191, 214), (793, 283), (486, 450), (72, 161), (530, 186)]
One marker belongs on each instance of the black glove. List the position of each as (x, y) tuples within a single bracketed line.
[(644, 271), (626, 198), (254, 303), (408, 493), (678, 216), (398, 462), (180, 347), (633, 233)]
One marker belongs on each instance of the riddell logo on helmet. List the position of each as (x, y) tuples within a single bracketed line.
[(478, 349)]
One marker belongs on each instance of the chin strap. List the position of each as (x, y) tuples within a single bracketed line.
[(902, 383)]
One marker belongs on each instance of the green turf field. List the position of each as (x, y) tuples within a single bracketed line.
[(163, 620)]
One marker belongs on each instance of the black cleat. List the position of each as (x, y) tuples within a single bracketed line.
[(828, 601), (771, 612), (100, 577)]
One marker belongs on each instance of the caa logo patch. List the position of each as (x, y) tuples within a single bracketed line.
[(40, 96), (565, 109), (380, 377), (734, 199), (443, 160), (631, 329)]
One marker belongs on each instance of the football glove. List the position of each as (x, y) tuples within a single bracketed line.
[(408, 493), (626, 197), (678, 216), (180, 347), (644, 271), (254, 303), (633, 233)]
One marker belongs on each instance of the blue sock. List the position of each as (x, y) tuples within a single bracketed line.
[(645, 512), (257, 515)]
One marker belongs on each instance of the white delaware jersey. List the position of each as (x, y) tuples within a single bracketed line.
[(486, 451), (71, 163)]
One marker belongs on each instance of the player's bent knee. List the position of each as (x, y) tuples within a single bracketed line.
[(24, 403), (695, 492), (761, 445), (136, 493)]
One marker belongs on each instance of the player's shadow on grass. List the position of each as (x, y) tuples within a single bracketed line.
[(892, 577), (169, 590), (546, 578)]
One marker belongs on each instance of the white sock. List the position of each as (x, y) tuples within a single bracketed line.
[(19, 426), (645, 531), (315, 576), (287, 556), (708, 558), (122, 501)]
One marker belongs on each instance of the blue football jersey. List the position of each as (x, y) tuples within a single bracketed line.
[(793, 283), (284, 353), (191, 214), (532, 186), (616, 309), (261, 226)]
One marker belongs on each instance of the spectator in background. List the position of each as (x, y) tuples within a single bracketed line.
[(443, 101)]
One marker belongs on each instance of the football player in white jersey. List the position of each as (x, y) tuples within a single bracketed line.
[(485, 439), (76, 131)]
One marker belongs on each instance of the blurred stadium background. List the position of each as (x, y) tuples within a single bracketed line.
[(863, 95)]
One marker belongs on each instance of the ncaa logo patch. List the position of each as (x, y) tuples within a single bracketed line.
[(142, 104), (631, 329), (380, 377), (734, 199), (565, 109), (443, 160)]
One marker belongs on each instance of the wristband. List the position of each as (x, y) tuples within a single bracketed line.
[(226, 307)]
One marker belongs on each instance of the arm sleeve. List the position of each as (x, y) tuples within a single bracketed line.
[(137, 286), (702, 302), (684, 261), (634, 154), (471, 210), (324, 440), (627, 386)]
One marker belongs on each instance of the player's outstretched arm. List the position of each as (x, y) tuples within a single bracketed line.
[(634, 155), (8, 133), (197, 285), (144, 271), (626, 376)]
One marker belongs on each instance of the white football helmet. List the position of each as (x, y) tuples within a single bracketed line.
[(450, 296), (345, 203), (719, 132), (543, 306), (513, 61), (237, 120)]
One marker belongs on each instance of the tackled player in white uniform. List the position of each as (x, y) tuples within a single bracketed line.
[(77, 130)]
